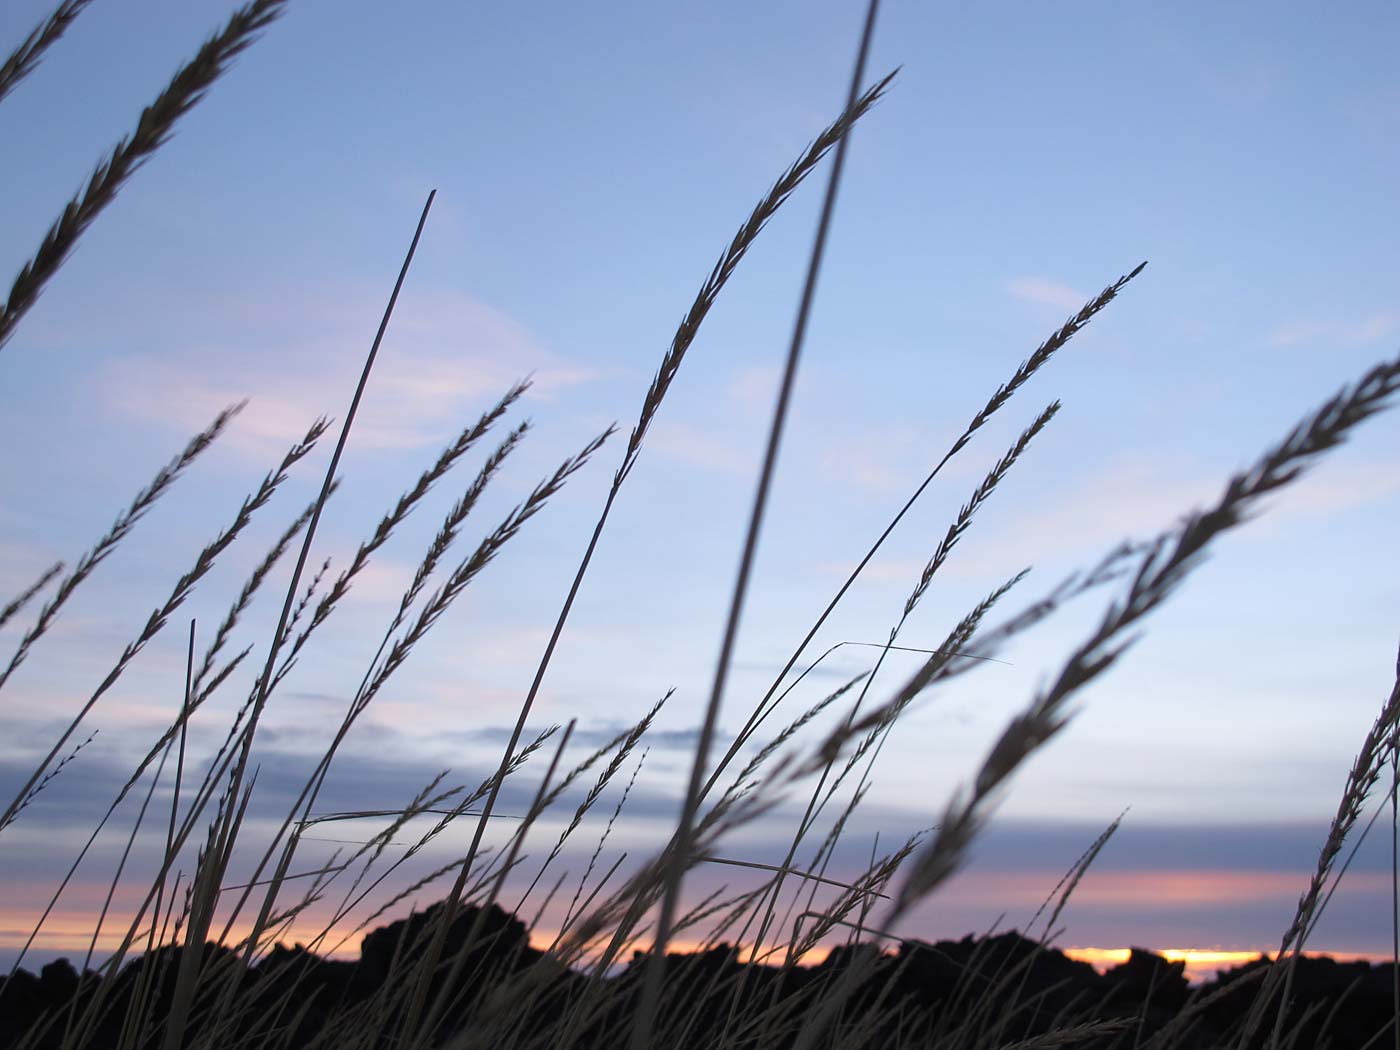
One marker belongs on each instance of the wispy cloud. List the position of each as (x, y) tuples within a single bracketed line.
[(1130, 498), (1355, 332), (383, 581), (902, 571), (1159, 890), (753, 386), (1334, 488), (873, 455), (1137, 498), (590, 736), (859, 468), (21, 564), (444, 355), (710, 449), (1047, 292)]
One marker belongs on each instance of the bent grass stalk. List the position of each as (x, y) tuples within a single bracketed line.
[(1171, 557), (945, 547), (1028, 368), (1168, 560)]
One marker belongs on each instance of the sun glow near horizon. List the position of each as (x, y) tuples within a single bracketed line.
[(69, 935), (1202, 964)]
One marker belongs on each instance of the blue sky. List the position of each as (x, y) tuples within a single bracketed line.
[(590, 167)]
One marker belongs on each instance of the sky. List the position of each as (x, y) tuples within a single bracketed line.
[(590, 165)]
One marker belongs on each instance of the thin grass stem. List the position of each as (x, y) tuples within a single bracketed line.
[(152, 131), (644, 1019)]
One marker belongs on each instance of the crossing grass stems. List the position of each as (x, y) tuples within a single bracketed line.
[(212, 1006)]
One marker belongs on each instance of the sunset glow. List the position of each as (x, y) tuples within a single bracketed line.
[(1158, 889), (1202, 963), (70, 933)]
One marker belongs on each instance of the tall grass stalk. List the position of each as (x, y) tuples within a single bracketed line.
[(681, 342), (1028, 368), (376, 674), (1170, 558), (126, 521), (1365, 773), (210, 876), (1395, 872), (28, 594), (685, 335), (26, 56), (209, 978), (675, 874), (955, 532), (152, 131)]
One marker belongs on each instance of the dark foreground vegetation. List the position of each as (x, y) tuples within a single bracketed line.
[(1005, 988)]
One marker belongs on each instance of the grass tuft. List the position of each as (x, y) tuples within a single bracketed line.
[(213, 968)]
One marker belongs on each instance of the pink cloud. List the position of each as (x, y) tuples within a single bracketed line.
[(1047, 292)]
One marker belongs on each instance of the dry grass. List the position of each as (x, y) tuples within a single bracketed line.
[(26, 56), (152, 131), (228, 984)]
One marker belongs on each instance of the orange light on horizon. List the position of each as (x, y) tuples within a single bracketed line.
[(542, 939), (1158, 888), (1203, 963), (71, 934)]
